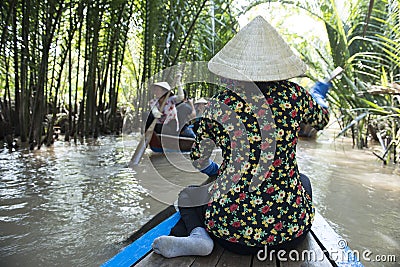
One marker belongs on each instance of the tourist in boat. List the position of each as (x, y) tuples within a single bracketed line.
[(186, 112), (200, 106), (167, 119), (266, 202)]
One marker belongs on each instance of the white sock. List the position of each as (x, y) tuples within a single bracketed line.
[(199, 243)]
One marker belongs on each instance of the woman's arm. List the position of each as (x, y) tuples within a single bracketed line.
[(181, 94), (203, 147), (193, 114), (316, 112)]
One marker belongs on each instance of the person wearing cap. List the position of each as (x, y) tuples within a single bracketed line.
[(167, 119), (200, 106), (259, 199)]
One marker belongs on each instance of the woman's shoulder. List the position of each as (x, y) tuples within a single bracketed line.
[(291, 86), (222, 94), (286, 84)]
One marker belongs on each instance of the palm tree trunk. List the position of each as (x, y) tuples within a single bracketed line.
[(40, 101)]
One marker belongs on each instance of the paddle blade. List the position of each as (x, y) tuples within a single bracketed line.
[(137, 156), (334, 74)]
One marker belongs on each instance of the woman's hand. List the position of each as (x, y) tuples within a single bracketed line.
[(319, 91), (156, 113)]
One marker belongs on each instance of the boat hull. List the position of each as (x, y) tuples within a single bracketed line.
[(321, 242), (170, 143)]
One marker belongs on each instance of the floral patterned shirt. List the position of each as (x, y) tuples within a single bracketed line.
[(276, 208)]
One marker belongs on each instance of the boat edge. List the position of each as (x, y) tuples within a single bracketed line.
[(138, 249)]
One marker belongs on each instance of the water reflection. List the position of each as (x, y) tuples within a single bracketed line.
[(71, 205), (357, 194)]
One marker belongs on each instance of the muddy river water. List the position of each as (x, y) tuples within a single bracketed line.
[(74, 205)]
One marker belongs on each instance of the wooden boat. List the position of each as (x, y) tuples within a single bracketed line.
[(170, 143), (322, 247)]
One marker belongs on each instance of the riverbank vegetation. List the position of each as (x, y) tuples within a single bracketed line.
[(80, 67)]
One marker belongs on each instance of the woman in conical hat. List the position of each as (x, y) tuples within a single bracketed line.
[(259, 198), (200, 105), (167, 118)]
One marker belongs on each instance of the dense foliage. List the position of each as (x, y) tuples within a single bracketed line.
[(366, 43), (79, 64), (61, 61)]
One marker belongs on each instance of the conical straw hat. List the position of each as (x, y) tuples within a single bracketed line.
[(257, 53), (201, 101), (163, 85)]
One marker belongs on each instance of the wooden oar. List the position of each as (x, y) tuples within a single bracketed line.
[(334, 74), (352, 123), (144, 141)]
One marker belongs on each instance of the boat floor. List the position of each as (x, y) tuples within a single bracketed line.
[(315, 251), (222, 257)]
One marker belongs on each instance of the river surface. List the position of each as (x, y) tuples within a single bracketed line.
[(74, 205)]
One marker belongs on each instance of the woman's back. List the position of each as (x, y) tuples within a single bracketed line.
[(277, 208)]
